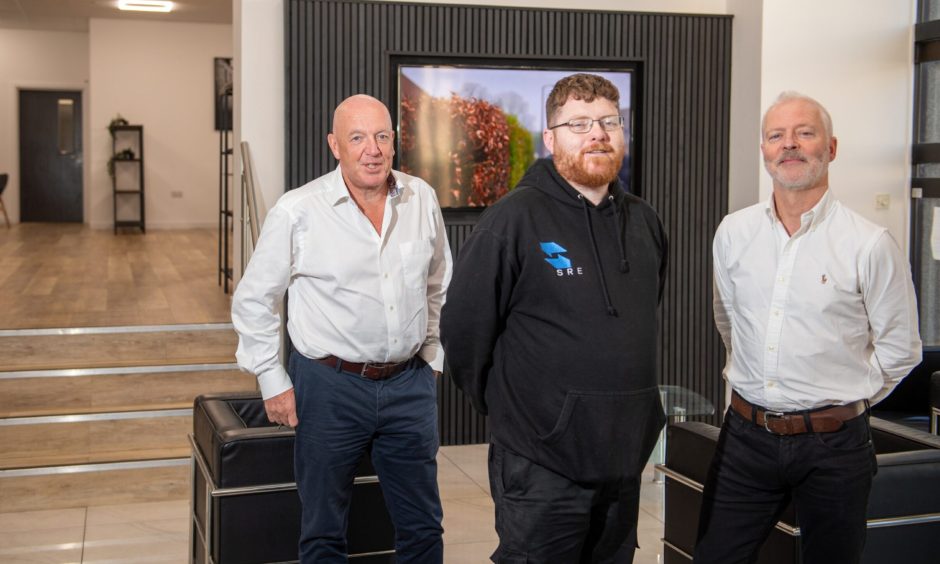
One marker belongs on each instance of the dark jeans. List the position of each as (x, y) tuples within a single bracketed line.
[(341, 415), (543, 517), (755, 474)]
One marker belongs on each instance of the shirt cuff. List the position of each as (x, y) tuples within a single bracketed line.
[(434, 356), (274, 382)]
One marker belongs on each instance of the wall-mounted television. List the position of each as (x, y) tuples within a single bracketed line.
[(471, 127)]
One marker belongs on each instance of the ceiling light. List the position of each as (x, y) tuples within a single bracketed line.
[(145, 5)]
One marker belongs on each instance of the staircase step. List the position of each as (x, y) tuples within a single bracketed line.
[(103, 484), (75, 391), (96, 347), (101, 437), (100, 415)]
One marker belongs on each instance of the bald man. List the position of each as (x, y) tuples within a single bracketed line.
[(363, 256)]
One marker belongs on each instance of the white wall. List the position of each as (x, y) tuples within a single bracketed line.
[(40, 60), (858, 63), (159, 75), (259, 101), (744, 169)]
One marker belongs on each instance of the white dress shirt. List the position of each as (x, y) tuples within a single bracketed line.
[(354, 293), (826, 316)]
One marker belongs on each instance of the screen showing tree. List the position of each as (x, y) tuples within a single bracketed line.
[(472, 131)]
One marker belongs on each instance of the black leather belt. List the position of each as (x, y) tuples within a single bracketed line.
[(822, 420), (370, 370)]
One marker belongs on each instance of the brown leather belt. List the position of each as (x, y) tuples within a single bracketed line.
[(822, 420), (370, 370)]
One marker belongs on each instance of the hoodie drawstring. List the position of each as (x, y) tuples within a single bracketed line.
[(597, 259), (624, 265)]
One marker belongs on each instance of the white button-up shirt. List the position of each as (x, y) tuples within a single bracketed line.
[(352, 292), (825, 316)]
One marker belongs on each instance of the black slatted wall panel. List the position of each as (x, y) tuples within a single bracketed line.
[(336, 48)]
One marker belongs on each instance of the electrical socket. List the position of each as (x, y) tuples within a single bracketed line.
[(882, 201), (176, 194)]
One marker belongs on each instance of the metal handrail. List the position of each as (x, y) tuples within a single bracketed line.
[(253, 208)]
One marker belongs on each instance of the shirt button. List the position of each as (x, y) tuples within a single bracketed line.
[(776, 313), (771, 348), (391, 308), (781, 279), (394, 341), (385, 275), (771, 384)]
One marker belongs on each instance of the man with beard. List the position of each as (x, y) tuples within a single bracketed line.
[(816, 309), (550, 328)]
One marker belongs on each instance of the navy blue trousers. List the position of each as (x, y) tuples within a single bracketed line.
[(543, 517), (755, 475), (341, 417)]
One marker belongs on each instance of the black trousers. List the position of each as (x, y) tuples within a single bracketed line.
[(755, 475), (543, 517)]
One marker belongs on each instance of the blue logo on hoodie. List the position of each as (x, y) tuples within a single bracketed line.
[(556, 259)]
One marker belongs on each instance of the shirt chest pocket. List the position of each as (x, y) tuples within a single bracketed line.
[(415, 262)]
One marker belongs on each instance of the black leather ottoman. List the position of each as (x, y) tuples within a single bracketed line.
[(903, 507), (245, 507)]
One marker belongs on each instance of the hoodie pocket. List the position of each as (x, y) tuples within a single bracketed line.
[(603, 436)]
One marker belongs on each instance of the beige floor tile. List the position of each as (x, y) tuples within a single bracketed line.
[(471, 459), (468, 520), (53, 536), (454, 482), (651, 499), (137, 533), (152, 548), (39, 539), (42, 519), (469, 553), (70, 553), (139, 512), (649, 537)]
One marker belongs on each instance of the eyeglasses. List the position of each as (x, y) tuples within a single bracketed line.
[(583, 125)]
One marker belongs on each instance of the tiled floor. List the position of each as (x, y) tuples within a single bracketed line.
[(159, 532)]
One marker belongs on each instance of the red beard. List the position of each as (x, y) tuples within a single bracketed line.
[(572, 166)]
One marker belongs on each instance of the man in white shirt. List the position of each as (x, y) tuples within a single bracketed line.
[(816, 308), (363, 256)]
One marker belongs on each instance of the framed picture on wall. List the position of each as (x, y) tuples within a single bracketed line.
[(223, 93), (472, 127)]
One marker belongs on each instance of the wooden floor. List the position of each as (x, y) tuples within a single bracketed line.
[(69, 275), (98, 417)]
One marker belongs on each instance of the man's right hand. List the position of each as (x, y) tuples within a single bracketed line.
[(282, 409)]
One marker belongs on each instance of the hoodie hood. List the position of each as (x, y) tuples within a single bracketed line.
[(543, 176)]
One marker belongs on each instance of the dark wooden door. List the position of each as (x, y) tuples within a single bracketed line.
[(50, 156)]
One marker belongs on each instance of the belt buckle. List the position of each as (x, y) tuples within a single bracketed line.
[(772, 414), (362, 372)]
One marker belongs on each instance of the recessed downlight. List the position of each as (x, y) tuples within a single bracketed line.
[(145, 5)]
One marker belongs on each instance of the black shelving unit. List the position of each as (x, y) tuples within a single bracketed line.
[(127, 173), (226, 217)]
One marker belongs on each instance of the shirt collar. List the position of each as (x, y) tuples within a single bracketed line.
[(340, 193), (811, 218)]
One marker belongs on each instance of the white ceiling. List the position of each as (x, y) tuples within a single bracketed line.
[(73, 15)]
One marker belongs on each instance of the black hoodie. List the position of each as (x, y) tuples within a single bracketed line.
[(550, 326)]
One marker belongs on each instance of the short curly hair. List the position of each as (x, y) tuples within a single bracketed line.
[(581, 86)]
